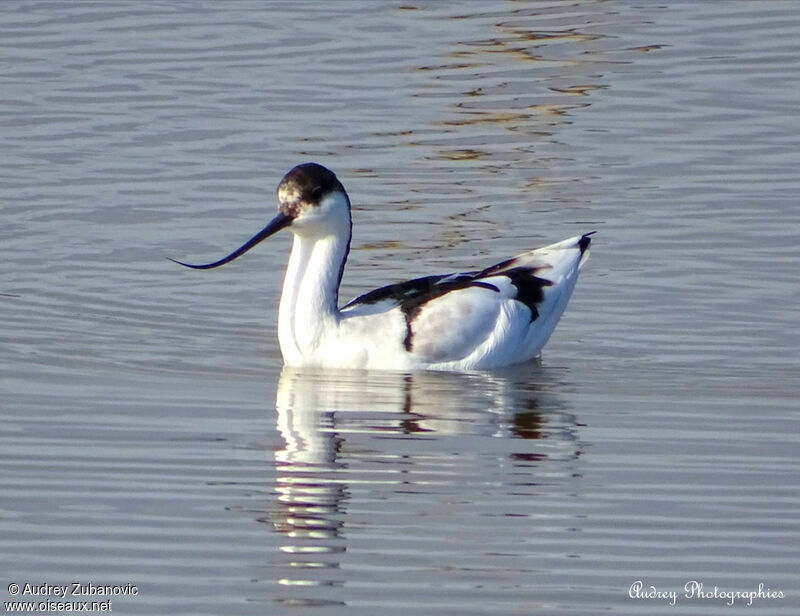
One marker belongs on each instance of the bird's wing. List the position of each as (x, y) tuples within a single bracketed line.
[(450, 316), (407, 292)]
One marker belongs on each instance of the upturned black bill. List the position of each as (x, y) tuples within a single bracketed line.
[(276, 224)]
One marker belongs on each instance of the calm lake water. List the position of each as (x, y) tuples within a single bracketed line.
[(149, 433)]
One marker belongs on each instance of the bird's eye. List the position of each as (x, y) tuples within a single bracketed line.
[(316, 192)]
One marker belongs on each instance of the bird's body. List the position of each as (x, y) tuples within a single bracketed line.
[(478, 320)]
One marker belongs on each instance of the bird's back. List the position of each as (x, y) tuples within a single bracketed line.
[(484, 319)]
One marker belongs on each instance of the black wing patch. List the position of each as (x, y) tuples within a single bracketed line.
[(412, 295), (530, 287), (402, 291)]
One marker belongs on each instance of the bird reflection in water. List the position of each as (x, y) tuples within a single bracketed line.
[(353, 436)]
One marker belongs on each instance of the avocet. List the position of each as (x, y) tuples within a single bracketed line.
[(477, 320)]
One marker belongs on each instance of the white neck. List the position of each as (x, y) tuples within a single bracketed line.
[(309, 302)]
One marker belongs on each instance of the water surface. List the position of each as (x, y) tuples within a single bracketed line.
[(150, 434)]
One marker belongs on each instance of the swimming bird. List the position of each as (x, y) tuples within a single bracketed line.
[(477, 320)]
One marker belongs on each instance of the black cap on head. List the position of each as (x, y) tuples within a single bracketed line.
[(305, 184)]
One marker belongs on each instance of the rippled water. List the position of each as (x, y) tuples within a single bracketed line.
[(149, 434)]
